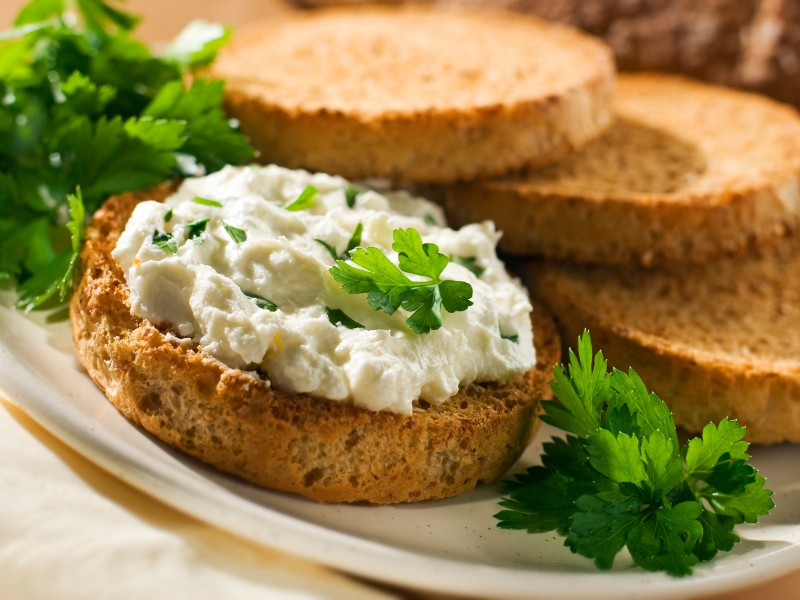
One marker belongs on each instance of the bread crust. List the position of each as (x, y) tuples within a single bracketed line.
[(414, 94), (688, 173), (322, 449), (718, 340)]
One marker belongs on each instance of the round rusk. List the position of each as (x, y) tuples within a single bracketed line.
[(713, 340), (688, 172), (415, 94), (324, 449)]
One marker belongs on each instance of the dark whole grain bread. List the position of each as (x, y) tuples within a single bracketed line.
[(715, 340), (689, 172), (326, 450)]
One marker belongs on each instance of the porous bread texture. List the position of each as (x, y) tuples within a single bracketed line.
[(749, 44), (715, 340), (323, 449), (687, 173), (415, 94)]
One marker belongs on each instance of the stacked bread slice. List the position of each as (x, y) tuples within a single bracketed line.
[(416, 94), (661, 216), (686, 207), (687, 172)]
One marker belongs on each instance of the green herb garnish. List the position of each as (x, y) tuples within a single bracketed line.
[(624, 481), (355, 241), (337, 317), (237, 235), (388, 289), (168, 216), (331, 250), (304, 200), (165, 241), (82, 103), (207, 202), (430, 220), (470, 263), (350, 195), (196, 229), (511, 338), (58, 275), (261, 302)]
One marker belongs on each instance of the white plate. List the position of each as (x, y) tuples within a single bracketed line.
[(450, 546)]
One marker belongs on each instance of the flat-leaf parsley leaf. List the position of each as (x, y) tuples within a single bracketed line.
[(305, 200), (388, 288), (236, 234), (338, 317), (83, 103), (262, 303), (165, 241), (622, 480)]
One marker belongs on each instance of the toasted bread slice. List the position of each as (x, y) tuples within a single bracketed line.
[(326, 450), (688, 172), (713, 340), (415, 94)]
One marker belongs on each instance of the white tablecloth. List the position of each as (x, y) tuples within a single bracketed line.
[(68, 530)]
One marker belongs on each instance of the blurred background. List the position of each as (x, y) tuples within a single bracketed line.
[(750, 44)]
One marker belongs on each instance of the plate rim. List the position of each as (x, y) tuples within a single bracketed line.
[(188, 492)]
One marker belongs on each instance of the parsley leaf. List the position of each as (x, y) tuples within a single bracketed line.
[(168, 216), (582, 390), (331, 250), (745, 507), (617, 457), (704, 452), (662, 465), (600, 529), (650, 413), (86, 104), (262, 303), (664, 542), (511, 338), (355, 239), (209, 135), (717, 535), (388, 289), (237, 235), (105, 158), (338, 317), (350, 195), (165, 241), (206, 202), (305, 200), (59, 274), (470, 263), (195, 229), (623, 481), (543, 498)]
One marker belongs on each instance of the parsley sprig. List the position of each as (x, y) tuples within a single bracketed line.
[(622, 480), (83, 103), (388, 289)]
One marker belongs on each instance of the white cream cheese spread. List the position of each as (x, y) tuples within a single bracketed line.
[(199, 280)]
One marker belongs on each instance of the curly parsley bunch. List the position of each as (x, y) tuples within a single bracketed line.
[(623, 480), (84, 104)]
